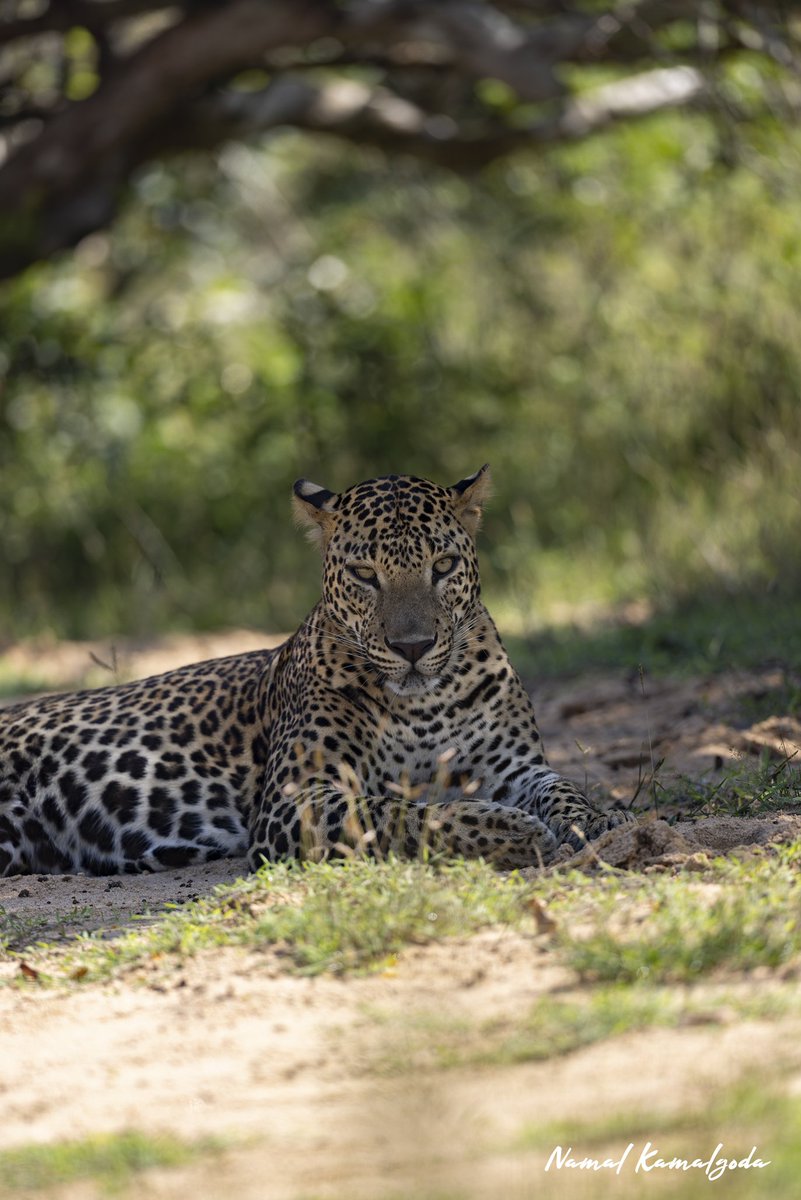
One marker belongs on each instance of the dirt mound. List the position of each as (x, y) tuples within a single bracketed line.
[(655, 845)]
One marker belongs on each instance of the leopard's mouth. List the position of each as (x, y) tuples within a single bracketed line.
[(413, 683)]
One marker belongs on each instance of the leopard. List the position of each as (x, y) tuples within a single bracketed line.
[(390, 722)]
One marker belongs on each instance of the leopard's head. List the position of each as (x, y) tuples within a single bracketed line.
[(400, 571)]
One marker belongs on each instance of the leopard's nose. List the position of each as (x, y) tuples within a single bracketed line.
[(411, 651)]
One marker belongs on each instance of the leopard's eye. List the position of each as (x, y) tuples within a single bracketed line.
[(444, 566), (363, 573)]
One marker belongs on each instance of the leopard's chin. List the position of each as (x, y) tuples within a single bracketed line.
[(412, 684)]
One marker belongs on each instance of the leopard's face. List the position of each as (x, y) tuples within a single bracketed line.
[(400, 578)]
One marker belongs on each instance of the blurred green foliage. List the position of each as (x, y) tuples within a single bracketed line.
[(614, 326)]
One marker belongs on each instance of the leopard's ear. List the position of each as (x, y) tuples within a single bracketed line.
[(469, 497), (313, 507)]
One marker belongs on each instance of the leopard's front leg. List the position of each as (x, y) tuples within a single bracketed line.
[(319, 820), (560, 804)]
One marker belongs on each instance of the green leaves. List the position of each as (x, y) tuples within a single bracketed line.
[(613, 326)]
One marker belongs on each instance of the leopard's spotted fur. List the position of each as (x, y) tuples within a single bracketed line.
[(392, 718)]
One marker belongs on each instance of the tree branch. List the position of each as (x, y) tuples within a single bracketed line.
[(638, 96), (375, 116), (167, 95), (65, 183)]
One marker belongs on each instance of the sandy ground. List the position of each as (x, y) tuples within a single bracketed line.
[(305, 1076)]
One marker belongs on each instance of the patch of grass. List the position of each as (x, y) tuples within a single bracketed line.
[(744, 1116), (750, 917), (112, 1161), (784, 700), (337, 917), (554, 1026), (746, 791), (631, 1125), (558, 1025), (699, 639), (19, 930), (358, 914)]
